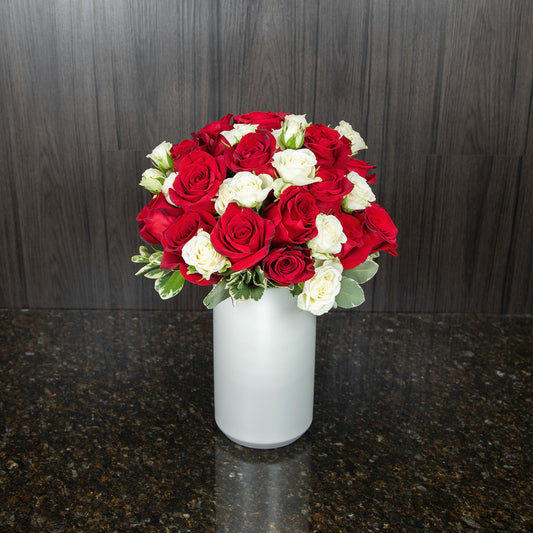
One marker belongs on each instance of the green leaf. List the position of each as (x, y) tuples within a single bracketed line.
[(246, 284), (144, 269), (350, 295), (169, 284), (139, 259), (246, 292), (156, 273), (156, 257), (296, 289), (143, 257), (143, 250), (218, 294), (363, 272)]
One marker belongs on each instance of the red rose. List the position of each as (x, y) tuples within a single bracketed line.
[(252, 153), (155, 218), (360, 167), (288, 265), (379, 221), (198, 180), (242, 236), (266, 120), (197, 278), (330, 147), (181, 231), (207, 136), (179, 151), (294, 216), (354, 251), (331, 190), (368, 231)]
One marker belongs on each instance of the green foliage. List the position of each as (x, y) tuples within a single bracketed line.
[(296, 289), (218, 294), (246, 284), (143, 257), (363, 272), (168, 283), (350, 295)]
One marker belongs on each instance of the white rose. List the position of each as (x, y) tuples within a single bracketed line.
[(357, 141), (238, 132), (200, 253), (250, 190), (223, 196), (277, 135), (361, 195), (296, 167), (280, 186), (330, 236), (319, 293), (167, 184), (152, 179), (293, 131), (161, 156)]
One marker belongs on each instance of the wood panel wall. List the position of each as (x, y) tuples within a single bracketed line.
[(440, 89)]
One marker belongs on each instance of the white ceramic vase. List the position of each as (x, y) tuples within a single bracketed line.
[(264, 368)]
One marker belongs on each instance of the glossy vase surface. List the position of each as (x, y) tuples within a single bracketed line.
[(264, 367)]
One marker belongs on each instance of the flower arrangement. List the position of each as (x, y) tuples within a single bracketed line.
[(264, 200)]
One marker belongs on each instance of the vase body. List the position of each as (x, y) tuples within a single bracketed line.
[(264, 367)]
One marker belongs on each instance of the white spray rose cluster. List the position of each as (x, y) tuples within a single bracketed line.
[(318, 295), (200, 253), (296, 167), (330, 236), (360, 196), (355, 138), (160, 156), (245, 188), (238, 132)]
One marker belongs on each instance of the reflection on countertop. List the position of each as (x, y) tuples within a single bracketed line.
[(422, 423)]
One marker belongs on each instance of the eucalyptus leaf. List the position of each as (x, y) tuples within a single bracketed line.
[(350, 295), (363, 272), (218, 294), (170, 284)]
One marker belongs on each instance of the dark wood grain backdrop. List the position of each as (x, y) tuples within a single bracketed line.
[(440, 89)]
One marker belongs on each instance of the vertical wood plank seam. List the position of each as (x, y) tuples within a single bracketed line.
[(414, 305), (20, 249), (384, 123), (12, 184), (527, 142), (115, 98), (317, 48), (368, 58), (437, 95), (218, 106), (101, 162), (507, 280)]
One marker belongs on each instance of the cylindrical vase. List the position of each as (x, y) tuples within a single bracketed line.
[(264, 367)]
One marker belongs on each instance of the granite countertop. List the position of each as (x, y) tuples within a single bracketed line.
[(422, 423)]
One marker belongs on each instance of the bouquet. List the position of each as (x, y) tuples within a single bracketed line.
[(264, 200)]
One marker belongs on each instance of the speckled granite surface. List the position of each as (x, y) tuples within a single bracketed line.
[(422, 423)]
